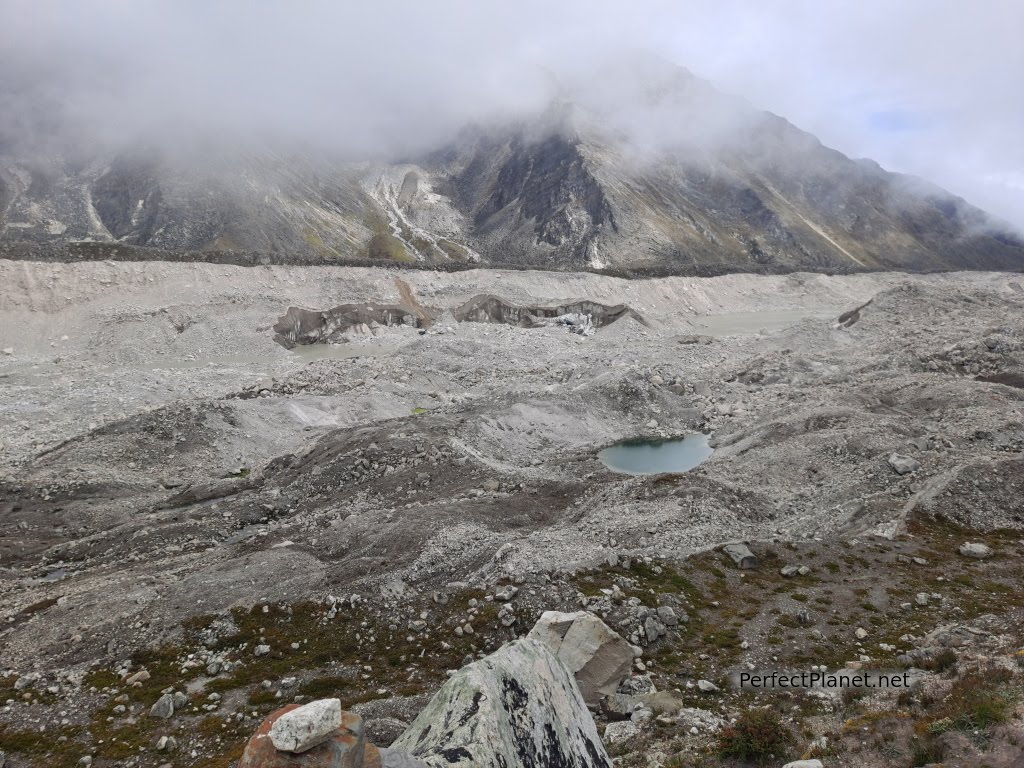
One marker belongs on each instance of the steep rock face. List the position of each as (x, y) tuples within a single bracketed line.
[(534, 201), (127, 200), (517, 708)]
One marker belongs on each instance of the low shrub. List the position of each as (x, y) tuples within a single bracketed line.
[(758, 735)]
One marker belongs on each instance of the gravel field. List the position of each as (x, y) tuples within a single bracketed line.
[(163, 458)]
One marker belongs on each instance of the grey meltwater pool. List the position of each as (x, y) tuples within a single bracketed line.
[(649, 457)]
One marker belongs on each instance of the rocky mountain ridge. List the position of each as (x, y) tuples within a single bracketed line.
[(720, 187)]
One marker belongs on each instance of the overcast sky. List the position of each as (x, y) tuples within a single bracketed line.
[(929, 87)]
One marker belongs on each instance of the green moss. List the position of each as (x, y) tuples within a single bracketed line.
[(100, 679), (44, 747), (225, 759), (385, 246), (327, 687)]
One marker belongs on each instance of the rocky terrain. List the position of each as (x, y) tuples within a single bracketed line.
[(722, 187), (201, 524)]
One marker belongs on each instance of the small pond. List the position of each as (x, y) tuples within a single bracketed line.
[(650, 457)]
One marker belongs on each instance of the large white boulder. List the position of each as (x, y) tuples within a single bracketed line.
[(307, 726), (599, 658), (976, 549), (517, 708)]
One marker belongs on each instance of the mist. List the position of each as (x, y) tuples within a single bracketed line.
[(928, 88)]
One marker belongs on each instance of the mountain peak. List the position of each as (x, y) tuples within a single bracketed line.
[(676, 178)]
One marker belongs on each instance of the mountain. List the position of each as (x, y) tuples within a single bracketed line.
[(677, 178)]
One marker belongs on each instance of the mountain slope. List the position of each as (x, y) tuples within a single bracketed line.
[(717, 187)]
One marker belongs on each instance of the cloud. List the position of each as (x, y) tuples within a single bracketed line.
[(929, 87)]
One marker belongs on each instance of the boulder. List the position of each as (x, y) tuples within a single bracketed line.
[(517, 708), (615, 733), (668, 616), (741, 555), (977, 550), (304, 728), (903, 465), (551, 627), (599, 658), (164, 707), (343, 748)]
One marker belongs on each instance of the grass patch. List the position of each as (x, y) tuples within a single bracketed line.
[(977, 701), (388, 247)]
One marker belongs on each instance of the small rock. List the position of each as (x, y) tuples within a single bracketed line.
[(804, 764), (641, 715), (699, 720), (139, 677), (706, 686), (861, 633), (653, 629), (506, 593)]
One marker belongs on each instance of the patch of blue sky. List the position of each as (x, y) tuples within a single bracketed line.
[(897, 121)]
